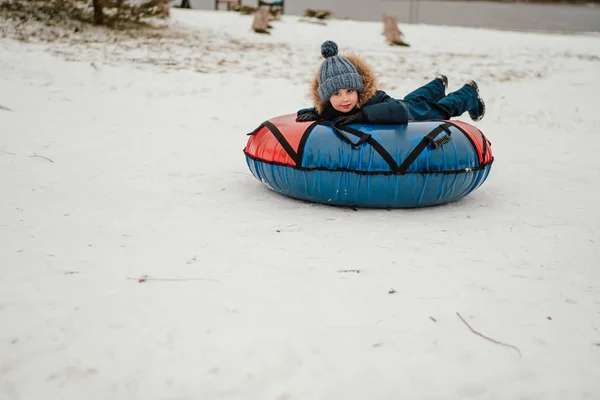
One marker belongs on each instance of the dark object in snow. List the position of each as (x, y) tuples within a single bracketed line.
[(44, 157), (318, 14), (486, 337), (392, 33)]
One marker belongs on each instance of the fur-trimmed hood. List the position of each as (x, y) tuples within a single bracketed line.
[(369, 83)]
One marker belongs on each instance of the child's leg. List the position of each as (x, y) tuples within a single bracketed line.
[(453, 105), (433, 91), (426, 110), (458, 102)]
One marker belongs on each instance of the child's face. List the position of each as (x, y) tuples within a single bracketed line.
[(344, 100)]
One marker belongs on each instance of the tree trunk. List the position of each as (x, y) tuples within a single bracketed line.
[(98, 14)]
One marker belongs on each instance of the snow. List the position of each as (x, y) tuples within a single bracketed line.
[(121, 159)]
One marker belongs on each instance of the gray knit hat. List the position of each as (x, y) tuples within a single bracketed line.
[(336, 72)]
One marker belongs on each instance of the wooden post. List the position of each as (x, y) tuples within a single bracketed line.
[(261, 20)]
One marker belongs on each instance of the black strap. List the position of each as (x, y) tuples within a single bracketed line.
[(428, 139), (485, 147), (254, 132), (282, 141), (296, 157), (303, 140), (376, 146), (364, 138), (485, 142), (343, 131)]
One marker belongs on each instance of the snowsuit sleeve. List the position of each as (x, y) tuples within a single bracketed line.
[(383, 109)]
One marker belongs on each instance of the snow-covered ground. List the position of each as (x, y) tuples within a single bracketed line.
[(122, 159)]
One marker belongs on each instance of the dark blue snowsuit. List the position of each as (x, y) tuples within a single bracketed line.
[(426, 103)]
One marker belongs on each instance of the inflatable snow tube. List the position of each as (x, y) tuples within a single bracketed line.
[(364, 165)]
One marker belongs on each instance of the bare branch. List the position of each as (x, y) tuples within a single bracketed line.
[(145, 278), (44, 157), (486, 337)]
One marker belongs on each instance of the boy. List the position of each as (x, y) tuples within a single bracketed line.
[(344, 90)]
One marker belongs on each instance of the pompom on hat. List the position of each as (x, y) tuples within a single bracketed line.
[(336, 72)]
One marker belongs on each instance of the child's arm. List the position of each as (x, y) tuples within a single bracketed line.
[(307, 114)]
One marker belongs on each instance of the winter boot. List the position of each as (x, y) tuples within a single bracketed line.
[(473, 85), (444, 80), (476, 114)]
